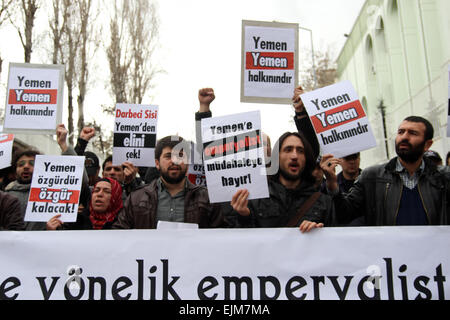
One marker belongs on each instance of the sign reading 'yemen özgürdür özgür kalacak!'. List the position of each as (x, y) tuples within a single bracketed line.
[(34, 98), (233, 155), (135, 134), (339, 120), (55, 188), (269, 61)]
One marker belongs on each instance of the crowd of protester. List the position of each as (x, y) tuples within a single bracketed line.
[(304, 190)]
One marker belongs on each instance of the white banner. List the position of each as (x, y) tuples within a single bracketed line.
[(269, 61), (55, 188), (34, 98), (233, 156), (135, 134), (339, 120), (395, 263)]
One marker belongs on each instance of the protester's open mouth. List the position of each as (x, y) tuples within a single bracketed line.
[(26, 175), (294, 166)]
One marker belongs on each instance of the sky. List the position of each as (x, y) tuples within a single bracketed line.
[(200, 46)]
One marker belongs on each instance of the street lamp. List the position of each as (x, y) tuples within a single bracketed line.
[(312, 50)]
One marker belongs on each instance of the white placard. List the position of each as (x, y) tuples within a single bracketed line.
[(196, 174), (339, 120), (390, 263), (34, 98), (55, 188), (233, 155), (168, 225), (135, 134), (6, 145), (269, 61)]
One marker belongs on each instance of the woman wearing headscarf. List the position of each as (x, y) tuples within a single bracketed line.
[(98, 213)]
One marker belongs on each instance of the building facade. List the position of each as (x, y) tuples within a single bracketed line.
[(397, 57)]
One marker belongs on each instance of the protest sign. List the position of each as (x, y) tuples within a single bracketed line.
[(6, 145), (387, 263), (196, 170), (448, 117), (196, 174), (135, 134), (34, 98), (55, 188), (339, 120), (269, 64), (233, 156)]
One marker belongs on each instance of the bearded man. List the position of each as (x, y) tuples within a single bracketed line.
[(293, 198), (408, 190), (171, 197)]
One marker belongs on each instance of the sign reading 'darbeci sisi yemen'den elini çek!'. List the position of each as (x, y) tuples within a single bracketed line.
[(269, 64), (34, 98), (339, 120), (135, 134), (233, 155), (55, 188)]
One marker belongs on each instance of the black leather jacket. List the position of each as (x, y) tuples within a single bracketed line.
[(283, 204), (377, 192)]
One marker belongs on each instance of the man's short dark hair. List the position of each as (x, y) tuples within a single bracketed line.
[(24, 153), (108, 159), (310, 164), (169, 141), (429, 131), (353, 156), (91, 163)]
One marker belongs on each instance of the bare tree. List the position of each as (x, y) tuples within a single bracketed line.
[(65, 29), (57, 25), (87, 33), (118, 52), (72, 30), (134, 38), (26, 9), (325, 71), (5, 5), (143, 25)]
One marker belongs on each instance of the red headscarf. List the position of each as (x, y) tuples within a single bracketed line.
[(115, 204)]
